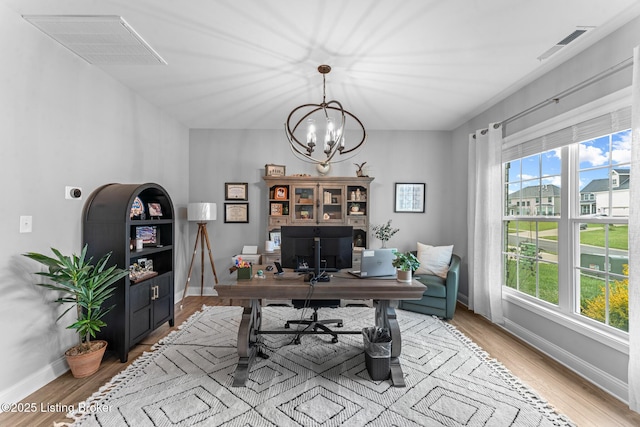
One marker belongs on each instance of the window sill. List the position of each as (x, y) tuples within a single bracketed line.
[(616, 340)]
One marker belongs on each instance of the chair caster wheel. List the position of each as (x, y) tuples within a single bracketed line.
[(296, 341), (334, 340), (339, 325), (286, 326)]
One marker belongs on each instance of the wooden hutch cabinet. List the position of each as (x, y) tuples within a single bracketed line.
[(114, 216), (306, 200)]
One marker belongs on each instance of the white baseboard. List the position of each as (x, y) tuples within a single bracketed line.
[(463, 299), (596, 376), (34, 382)]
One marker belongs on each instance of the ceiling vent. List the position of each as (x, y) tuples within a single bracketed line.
[(564, 42), (99, 40)]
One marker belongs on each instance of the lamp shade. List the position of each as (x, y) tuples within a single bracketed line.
[(201, 212)]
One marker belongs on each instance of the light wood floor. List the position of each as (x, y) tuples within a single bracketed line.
[(584, 403)]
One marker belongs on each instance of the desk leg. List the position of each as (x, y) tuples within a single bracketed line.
[(247, 341), (386, 318)]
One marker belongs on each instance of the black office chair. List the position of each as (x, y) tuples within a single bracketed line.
[(313, 322)]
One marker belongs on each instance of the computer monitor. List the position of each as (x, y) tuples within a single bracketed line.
[(316, 249)]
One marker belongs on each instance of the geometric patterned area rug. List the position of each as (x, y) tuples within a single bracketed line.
[(186, 379)]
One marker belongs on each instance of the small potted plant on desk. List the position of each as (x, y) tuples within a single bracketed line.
[(86, 287), (406, 263)]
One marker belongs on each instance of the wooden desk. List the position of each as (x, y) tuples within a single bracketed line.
[(292, 286)]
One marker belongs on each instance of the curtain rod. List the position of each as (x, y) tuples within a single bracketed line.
[(555, 99)]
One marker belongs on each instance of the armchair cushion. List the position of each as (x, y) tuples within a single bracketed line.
[(434, 259)]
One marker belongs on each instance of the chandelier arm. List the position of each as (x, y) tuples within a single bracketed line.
[(340, 159), (291, 132)]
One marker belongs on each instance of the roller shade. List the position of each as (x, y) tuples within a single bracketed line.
[(605, 124)]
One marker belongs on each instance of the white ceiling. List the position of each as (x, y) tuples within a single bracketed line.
[(411, 64)]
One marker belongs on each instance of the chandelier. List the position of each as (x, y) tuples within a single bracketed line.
[(331, 115)]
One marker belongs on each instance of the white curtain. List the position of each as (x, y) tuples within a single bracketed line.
[(634, 242), (484, 217)]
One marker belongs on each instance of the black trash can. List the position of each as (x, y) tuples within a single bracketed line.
[(377, 352)]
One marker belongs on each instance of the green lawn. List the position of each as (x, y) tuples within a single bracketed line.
[(531, 226), (594, 236), (548, 282)]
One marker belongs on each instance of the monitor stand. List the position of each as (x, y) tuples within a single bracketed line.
[(315, 276)]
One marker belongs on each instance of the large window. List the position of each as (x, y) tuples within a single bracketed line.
[(589, 203)]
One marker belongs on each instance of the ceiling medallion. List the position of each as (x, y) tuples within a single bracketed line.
[(333, 118)]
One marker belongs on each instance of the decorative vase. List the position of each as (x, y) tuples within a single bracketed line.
[(86, 364), (403, 276), (384, 244)]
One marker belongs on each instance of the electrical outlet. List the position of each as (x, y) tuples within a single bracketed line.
[(26, 223), (73, 193)]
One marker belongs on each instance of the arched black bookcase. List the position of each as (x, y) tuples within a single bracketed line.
[(113, 216)]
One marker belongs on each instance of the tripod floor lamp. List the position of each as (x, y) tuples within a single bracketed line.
[(201, 213)]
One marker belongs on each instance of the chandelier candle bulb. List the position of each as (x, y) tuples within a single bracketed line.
[(311, 132)]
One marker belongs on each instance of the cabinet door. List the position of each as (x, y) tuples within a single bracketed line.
[(304, 204), (332, 204), (162, 299), (140, 311)]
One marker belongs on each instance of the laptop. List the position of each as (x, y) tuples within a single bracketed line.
[(376, 263)]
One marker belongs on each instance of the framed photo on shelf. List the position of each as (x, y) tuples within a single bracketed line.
[(137, 209), (236, 212), (148, 234), (280, 193), (276, 208), (410, 197), (154, 209), (274, 170), (276, 238), (236, 191)]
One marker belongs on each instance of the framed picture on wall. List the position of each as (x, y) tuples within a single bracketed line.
[(410, 197), (236, 212), (236, 191)]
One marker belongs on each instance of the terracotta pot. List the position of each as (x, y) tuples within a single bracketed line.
[(87, 364), (404, 276)]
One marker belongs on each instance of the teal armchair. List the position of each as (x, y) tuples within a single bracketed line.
[(440, 297)]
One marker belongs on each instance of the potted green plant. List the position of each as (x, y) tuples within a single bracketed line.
[(406, 263), (85, 287)]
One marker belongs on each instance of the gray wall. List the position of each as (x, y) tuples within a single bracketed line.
[(63, 122), (600, 359), (218, 156)]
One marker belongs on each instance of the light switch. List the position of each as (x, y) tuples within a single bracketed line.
[(26, 223)]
